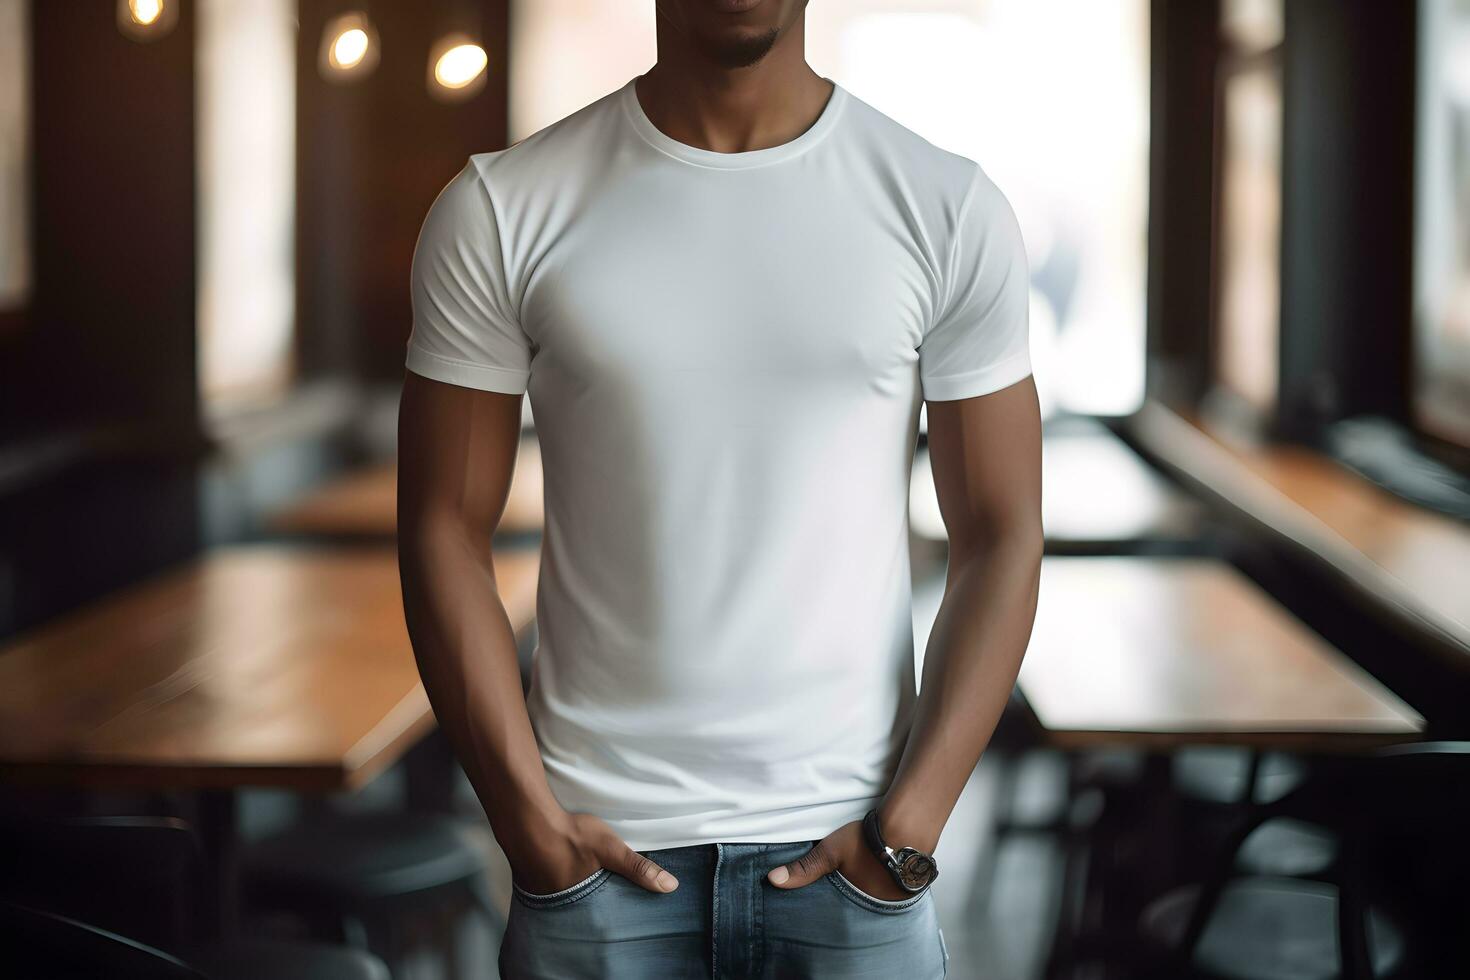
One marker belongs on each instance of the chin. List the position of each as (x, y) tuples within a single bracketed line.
[(738, 47)]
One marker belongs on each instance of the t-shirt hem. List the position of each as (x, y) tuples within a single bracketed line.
[(981, 381), (466, 374), (817, 822)]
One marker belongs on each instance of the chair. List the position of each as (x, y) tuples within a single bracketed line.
[(1400, 815), (359, 876), (37, 943), (1047, 793), (1218, 785), (1230, 776), (272, 959), (139, 877), (1270, 928), (134, 876)]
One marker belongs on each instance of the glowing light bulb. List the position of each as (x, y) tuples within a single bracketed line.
[(145, 12), (460, 65), (146, 21), (350, 48)]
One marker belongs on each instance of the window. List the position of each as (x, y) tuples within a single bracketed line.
[(1442, 222), (246, 64), (1049, 96), (15, 144), (1247, 299)]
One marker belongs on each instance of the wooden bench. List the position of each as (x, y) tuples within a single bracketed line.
[(1097, 496), (364, 504), (252, 666), (260, 665), (1162, 652), (1410, 564)]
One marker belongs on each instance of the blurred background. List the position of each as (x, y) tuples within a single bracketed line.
[(1235, 749)]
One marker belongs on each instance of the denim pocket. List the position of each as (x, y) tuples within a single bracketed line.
[(566, 896), (871, 902)]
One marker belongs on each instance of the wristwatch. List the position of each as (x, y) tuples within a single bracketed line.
[(911, 868)]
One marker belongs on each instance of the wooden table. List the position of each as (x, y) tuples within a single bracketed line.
[(364, 504), (1415, 553), (1098, 496), (1405, 560), (253, 666), (1161, 652)]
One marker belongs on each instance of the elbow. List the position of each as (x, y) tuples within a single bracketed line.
[(426, 540), (1027, 550), (415, 539), (1018, 543)]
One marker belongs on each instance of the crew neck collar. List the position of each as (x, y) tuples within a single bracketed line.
[(701, 157)]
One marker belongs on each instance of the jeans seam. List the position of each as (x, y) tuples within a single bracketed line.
[(758, 930), (714, 955), (862, 898), (564, 896)]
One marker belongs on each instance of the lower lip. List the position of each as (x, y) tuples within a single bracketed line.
[(735, 6)]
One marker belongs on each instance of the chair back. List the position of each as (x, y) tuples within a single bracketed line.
[(136, 876), (37, 943)]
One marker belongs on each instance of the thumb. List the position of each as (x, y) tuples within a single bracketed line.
[(805, 869), (636, 867)]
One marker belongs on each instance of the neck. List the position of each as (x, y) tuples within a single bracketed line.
[(732, 110)]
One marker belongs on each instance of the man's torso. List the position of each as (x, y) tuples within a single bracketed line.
[(724, 384)]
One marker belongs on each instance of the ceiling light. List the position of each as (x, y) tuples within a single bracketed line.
[(349, 48), (147, 20)]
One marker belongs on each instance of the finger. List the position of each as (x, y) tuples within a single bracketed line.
[(805, 869), (637, 867)]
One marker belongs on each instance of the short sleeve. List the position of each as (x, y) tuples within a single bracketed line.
[(978, 341), (465, 329)]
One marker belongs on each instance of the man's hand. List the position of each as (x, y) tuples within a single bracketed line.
[(842, 850), (576, 847)]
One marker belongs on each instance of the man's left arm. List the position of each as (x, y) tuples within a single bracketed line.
[(986, 456), (985, 452)]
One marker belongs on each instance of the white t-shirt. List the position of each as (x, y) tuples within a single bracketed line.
[(725, 355)]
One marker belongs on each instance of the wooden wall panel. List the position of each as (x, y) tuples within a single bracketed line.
[(372, 155)]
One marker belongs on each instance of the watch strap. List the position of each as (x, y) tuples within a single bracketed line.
[(911, 868), (873, 834)]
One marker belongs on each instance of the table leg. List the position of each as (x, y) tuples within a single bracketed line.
[(1160, 824), (1099, 901), (1252, 779), (218, 819), (431, 770), (1059, 953)]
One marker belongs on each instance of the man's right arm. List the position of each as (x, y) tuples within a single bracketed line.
[(456, 454)]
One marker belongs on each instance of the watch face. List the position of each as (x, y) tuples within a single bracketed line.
[(914, 869)]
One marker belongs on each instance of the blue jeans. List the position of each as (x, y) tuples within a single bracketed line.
[(725, 920)]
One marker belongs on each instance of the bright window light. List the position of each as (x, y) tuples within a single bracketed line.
[(1049, 96), (246, 120)]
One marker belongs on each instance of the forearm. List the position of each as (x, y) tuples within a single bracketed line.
[(970, 666), (465, 646)]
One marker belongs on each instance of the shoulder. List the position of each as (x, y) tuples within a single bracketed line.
[(949, 193), (561, 148), (915, 166)]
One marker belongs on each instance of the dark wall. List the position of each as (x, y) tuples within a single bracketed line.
[(372, 156), (1183, 51), (110, 335), (1347, 211), (1348, 73), (97, 383), (105, 473)]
